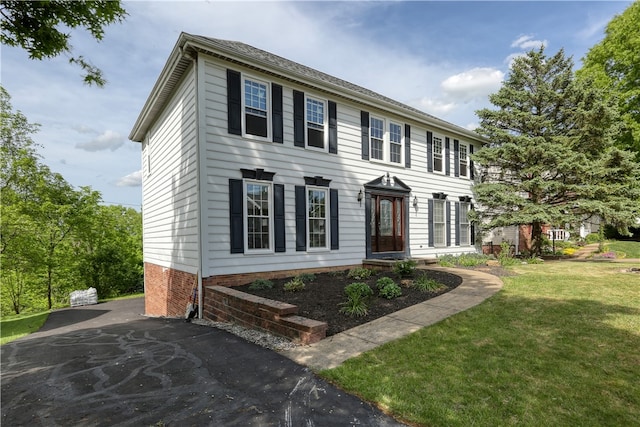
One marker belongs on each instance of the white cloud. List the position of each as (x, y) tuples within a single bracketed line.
[(527, 42), (109, 140), (433, 106), (473, 84), (134, 179)]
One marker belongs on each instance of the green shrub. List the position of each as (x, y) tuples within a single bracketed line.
[(307, 277), (294, 285), (359, 273), (447, 261), (472, 260), (387, 288), (405, 268), (426, 284), (358, 295), (505, 257), (261, 284), (534, 260)]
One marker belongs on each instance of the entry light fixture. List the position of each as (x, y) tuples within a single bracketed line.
[(415, 201), (360, 197)]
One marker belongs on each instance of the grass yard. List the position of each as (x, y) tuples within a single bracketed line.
[(558, 346), (19, 326), (629, 248)]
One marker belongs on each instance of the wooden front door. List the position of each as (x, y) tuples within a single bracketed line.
[(387, 223)]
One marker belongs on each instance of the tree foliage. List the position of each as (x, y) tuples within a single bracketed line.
[(551, 158), (614, 65), (39, 27), (54, 238)]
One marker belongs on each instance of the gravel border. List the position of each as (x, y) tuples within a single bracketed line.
[(263, 339)]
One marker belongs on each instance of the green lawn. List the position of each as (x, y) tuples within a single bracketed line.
[(558, 346), (630, 249), (19, 326)]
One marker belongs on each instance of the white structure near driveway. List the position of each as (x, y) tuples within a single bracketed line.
[(256, 166)]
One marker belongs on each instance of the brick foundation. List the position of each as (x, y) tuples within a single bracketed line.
[(167, 291), (224, 304), (245, 278)]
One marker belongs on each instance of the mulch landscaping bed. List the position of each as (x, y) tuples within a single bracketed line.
[(321, 298)]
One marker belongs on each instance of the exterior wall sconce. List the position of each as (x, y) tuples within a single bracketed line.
[(360, 197), (415, 201)]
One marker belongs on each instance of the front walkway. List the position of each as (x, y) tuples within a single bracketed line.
[(329, 353)]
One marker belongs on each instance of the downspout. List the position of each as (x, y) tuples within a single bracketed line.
[(199, 165)]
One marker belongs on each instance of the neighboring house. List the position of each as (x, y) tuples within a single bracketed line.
[(256, 166)]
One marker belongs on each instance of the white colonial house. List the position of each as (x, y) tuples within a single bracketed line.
[(257, 166)]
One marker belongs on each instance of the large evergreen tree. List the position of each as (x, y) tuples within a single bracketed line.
[(551, 159)]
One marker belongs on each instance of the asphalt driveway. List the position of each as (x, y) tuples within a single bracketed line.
[(107, 365)]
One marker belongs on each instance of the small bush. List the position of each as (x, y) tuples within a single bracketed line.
[(387, 288), (294, 285), (425, 284), (307, 277), (261, 284), (505, 256), (358, 295), (359, 273), (447, 261), (405, 268), (592, 238), (472, 260), (534, 260)]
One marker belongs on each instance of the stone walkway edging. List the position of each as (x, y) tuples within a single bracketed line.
[(329, 353)]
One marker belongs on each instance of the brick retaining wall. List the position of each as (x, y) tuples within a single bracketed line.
[(223, 304)]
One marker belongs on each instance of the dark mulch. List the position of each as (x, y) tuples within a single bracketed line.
[(321, 298)]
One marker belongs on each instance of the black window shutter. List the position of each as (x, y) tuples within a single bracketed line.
[(301, 218), (364, 125), (276, 113), (298, 118), (335, 231), (457, 207), (447, 219), (429, 153), (473, 231), (333, 128), (471, 163), (456, 157), (278, 218), (430, 213), (236, 215), (407, 146), (447, 156), (234, 103)]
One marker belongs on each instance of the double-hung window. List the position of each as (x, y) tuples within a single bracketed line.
[(376, 131), (316, 122), (395, 142), (256, 107), (259, 216), (317, 217), (464, 160), (464, 224), (439, 226), (437, 153)]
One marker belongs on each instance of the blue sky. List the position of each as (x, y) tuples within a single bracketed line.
[(444, 58)]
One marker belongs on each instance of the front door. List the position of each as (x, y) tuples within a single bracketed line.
[(387, 223)]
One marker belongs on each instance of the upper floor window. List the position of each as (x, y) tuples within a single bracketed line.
[(437, 154), (464, 160), (376, 131), (317, 212), (316, 122), (258, 215), (256, 108), (395, 142)]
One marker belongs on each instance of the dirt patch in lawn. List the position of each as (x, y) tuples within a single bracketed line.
[(321, 297)]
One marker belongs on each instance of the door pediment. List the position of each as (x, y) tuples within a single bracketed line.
[(388, 183)]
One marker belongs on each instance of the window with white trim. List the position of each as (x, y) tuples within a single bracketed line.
[(437, 154), (317, 217), (376, 133), (465, 226), (395, 142), (316, 123), (256, 107), (259, 216), (464, 160), (439, 226)]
